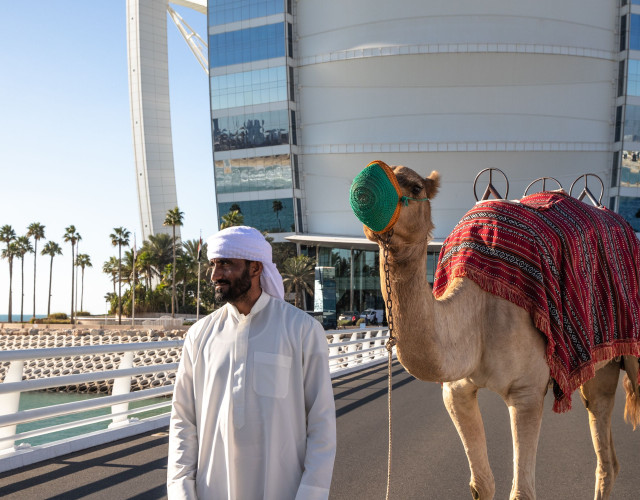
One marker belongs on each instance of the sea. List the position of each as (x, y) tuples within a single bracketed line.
[(16, 317), (29, 400)]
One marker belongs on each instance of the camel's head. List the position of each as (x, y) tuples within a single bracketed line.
[(403, 203)]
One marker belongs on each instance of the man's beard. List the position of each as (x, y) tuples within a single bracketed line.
[(235, 290)]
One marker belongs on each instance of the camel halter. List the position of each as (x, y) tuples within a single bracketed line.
[(376, 198)]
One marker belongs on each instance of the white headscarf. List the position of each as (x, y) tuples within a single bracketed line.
[(243, 242)]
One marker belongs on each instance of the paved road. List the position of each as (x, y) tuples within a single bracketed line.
[(428, 458)]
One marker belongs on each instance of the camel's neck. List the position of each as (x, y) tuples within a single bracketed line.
[(434, 337)]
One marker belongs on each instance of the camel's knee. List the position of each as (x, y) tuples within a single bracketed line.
[(460, 396)]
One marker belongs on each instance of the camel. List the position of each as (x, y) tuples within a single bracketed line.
[(469, 339)]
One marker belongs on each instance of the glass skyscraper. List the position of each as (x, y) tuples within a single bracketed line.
[(625, 178), (253, 113)]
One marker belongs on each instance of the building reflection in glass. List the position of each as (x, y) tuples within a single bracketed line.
[(630, 171), (251, 130), (253, 174), (629, 208), (249, 88), (264, 215)]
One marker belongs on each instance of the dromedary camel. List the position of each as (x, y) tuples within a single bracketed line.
[(469, 339)]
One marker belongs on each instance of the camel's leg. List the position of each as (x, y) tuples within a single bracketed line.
[(461, 401), (525, 409), (598, 395)]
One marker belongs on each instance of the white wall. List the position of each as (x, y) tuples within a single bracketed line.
[(528, 87)]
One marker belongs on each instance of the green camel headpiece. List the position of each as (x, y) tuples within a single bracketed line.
[(376, 198)]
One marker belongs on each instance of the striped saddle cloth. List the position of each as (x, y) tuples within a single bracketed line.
[(572, 266)]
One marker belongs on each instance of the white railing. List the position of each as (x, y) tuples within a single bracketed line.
[(166, 322), (349, 350)]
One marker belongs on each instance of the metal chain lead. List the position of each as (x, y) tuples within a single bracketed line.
[(390, 343), (387, 282)]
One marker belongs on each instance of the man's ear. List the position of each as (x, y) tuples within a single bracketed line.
[(255, 268)]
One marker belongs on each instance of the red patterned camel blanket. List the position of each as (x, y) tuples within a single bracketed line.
[(572, 266)]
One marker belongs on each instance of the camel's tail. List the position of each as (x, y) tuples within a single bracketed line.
[(632, 406)]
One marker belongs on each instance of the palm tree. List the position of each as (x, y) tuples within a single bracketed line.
[(174, 218), (160, 248), (7, 235), (111, 267), (83, 260), (191, 250), (72, 236), (128, 268), (51, 248), (144, 264), (298, 273), (120, 237), (233, 218), (235, 207), (24, 247), (37, 231), (277, 206)]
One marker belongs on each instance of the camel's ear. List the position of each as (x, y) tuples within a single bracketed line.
[(432, 183)]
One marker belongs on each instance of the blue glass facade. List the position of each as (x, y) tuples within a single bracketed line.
[(634, 32), (249, 88), (626, 161), (247, 45), (225, 11), (245, 129), (633, 78)]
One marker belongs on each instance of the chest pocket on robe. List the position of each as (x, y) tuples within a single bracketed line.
[(271, 374)]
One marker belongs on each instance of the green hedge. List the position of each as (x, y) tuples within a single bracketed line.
[(50, 321)]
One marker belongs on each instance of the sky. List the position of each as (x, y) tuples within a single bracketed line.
[(66, 149)]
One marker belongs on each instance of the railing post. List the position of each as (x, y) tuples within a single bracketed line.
[(366, 345), (122, 385), (9, 403), (379, 343), (352, 349)]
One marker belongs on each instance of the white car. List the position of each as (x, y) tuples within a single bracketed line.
[(373, 316)]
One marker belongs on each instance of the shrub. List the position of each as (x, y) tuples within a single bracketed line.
[(344, 322), (360, 321), (58, 316), (83, 313), (49, 321)]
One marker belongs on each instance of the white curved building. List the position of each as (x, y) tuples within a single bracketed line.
[(527, 87)]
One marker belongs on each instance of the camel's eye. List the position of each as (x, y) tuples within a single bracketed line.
[(415, 190)]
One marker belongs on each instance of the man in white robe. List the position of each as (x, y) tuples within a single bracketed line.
[(253, 412)]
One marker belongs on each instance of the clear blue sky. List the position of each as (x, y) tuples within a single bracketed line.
[(65, 139)]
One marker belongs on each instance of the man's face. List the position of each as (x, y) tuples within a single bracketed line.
[(230, 278)]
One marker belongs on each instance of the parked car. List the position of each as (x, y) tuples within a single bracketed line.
[(373, 316), (351, 316)]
